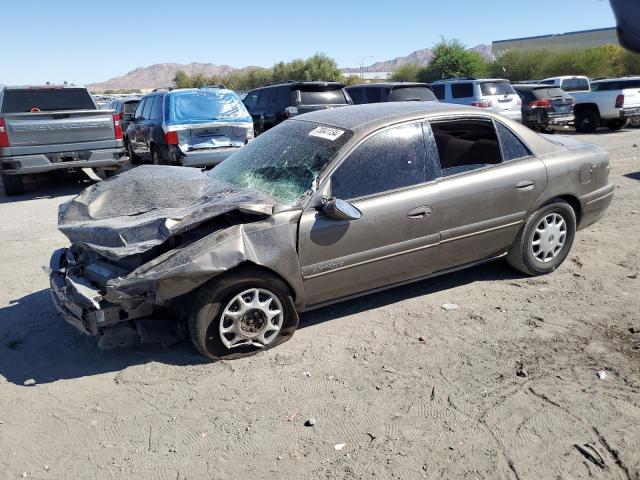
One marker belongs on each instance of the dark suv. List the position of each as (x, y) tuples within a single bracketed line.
[(545, 106), (275, 103), (194, 127), (125, 107), (391, 92)]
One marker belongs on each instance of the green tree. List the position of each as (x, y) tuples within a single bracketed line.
[(451, 59), (406, 73), (181, 80)]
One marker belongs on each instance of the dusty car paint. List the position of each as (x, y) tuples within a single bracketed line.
[(152, 246)]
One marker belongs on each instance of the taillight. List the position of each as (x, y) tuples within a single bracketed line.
[(543, 102), (482, 104), (619, 101), (171, 138), (4, 135), (250, 135), (117, 129)]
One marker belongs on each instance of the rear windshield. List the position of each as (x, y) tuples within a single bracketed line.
[(402, 94), (130, 107), (496, 88), (204, 105), (47, 100), (321, 96), (549, 92)]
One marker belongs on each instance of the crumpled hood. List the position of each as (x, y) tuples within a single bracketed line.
[(143, 207)]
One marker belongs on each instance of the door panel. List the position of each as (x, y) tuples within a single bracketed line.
[(340, 258)]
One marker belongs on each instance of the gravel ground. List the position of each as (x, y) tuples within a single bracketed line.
[(505, 386)]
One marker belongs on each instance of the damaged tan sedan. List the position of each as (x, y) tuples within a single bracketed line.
[(322, 208)]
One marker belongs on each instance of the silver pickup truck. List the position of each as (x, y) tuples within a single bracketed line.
[(49, 128)]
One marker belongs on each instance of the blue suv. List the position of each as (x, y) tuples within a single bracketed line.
[(195, 127)]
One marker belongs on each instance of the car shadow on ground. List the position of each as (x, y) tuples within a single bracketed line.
[(50, 186), (35, 343), (633, 175)]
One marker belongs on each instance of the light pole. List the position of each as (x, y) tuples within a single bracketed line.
[(362, 66)]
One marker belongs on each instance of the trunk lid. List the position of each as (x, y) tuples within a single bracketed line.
[(502, 95), (212, 135), (631, 97)]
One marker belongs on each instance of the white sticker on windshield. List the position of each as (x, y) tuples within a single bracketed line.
[(325, 132)]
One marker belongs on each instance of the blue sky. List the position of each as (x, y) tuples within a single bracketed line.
[(88, 41)]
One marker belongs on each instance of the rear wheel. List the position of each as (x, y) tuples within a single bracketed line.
[(617, 124), (587, 120), (545, 240), (12, 184), (133, 158), (156, 159), (241, 314)]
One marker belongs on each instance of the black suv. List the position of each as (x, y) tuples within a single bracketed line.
[(391, 92), (275, 103), (545, 107), (125, 107)]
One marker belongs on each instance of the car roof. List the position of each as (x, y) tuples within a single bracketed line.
[(390, 84), (295, 83), (532, 86), (468, 79), (375, 115), (41, 87)]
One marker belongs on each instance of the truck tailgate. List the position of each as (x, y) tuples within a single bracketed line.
[(48, 129), (631, 97)]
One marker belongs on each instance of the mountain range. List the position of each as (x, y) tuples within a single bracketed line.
[(161, 74)]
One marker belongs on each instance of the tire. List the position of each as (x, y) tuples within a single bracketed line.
[(587, 120), (617, 124), (524, 256), (634, 121), (213, 298), (155, 158), (133, 158), (12, 184)]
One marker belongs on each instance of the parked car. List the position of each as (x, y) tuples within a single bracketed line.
[(275, 103), (53, 128), (545, 108), (195, 127), (568, 83), (611, 102), (489, 93), (390, 92), (125, 107), (322, 208)]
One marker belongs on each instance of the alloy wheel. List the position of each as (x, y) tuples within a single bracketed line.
[(549, 237)]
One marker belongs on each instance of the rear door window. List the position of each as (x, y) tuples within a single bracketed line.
[(512, 146), (146, 112), (462, 90), (156, 109), (283, 97), (466, 145), (46, 100), (392, 159), (130, 107), (265, 99), (139, 109), (438, 90)]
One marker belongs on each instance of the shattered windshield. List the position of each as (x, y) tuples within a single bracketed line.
[(284, 161), (205, 105)]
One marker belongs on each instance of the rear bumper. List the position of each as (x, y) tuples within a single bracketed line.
[(206, 158), (595, 204), (25, 164), (549, 119), (629, 112)]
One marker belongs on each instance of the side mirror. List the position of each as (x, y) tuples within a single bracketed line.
[(290, 112), (341, 210), (128, 117)]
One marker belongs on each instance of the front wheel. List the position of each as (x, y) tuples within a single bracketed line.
[(545, 239), (133, 158), (241, 314)]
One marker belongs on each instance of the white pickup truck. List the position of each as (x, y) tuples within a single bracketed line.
[(47, 128), (611, 102)]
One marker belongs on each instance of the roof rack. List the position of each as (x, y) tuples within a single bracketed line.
[(219, 85), (454, 78)]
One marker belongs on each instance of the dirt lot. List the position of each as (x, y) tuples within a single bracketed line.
[(450, 406)]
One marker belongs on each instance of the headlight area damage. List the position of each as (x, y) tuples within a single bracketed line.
[(143, 241)]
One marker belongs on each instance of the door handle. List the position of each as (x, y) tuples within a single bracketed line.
[(420, 212), (525, 185)]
